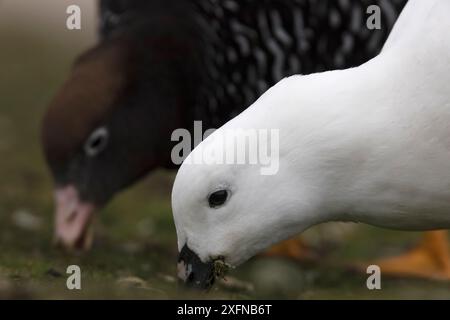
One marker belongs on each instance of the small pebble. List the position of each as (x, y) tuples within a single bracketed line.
[(167, 278), (277, 278), (132, 282), (26, 220), (234, 284)]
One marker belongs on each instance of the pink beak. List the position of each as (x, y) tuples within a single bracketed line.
[(73, 229)]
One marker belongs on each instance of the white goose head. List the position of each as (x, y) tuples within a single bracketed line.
[(342, 142)]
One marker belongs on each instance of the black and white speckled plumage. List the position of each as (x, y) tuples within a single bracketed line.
[(252, 44)]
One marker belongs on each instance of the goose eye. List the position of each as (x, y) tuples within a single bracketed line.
[(217, 198), (96, 142)]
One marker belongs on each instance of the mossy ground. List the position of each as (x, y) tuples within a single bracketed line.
[(135, 252)]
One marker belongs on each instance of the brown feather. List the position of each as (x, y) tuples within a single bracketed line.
[(97, 80)]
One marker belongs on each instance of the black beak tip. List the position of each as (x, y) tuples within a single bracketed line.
[(193, 272)]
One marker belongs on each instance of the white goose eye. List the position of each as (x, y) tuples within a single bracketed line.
[(96, 142), (218, 198)]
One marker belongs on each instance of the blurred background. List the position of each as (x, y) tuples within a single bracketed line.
[(133, 257)]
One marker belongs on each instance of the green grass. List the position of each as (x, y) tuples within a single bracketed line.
[(135, 233)]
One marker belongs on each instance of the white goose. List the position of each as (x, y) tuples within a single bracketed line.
[(369, 144)]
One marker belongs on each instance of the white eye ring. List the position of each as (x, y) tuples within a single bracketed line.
[(97, 142)]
